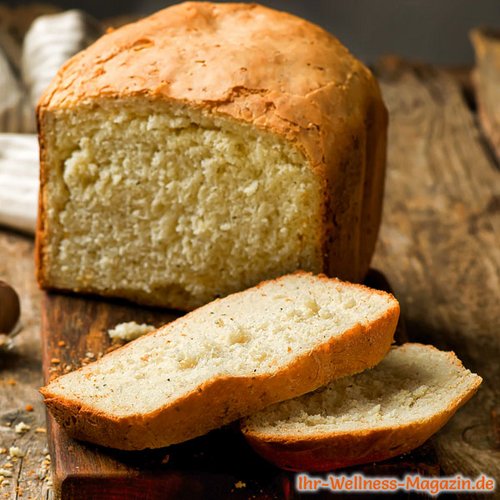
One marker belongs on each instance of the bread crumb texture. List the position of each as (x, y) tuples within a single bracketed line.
[(130, 331), (21, 428), (256, 332), (15, 452), (164, 201), (412, 383)]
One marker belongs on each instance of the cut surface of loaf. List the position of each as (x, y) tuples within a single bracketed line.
[(230, 358), (374, 415), (255, 148)]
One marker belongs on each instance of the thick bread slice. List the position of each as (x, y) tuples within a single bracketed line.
[(228, 359), (375, 415)]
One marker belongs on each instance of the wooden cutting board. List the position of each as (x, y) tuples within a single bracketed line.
[(219, 465)]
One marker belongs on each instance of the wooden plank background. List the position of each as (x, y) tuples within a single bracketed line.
[(439, 246)]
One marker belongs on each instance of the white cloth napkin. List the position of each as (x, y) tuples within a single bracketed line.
[(50, 41), (19, 181)]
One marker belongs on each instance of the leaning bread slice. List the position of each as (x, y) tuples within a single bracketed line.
[(380, 413), (226, 360)]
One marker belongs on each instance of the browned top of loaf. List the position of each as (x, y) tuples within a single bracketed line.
[(247, 61)]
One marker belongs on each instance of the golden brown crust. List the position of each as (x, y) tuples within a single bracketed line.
[(223, 400), (40, 233), (329, 451), (252, 64)]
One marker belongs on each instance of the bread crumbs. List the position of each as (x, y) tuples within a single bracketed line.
[(21, 428), (15, 452)]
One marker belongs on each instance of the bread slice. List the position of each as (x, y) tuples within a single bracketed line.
[(226, 360), (375, 415), (203, 149)]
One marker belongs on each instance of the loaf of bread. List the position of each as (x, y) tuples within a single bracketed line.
[(225, 360), (380, 413), (206, 148)]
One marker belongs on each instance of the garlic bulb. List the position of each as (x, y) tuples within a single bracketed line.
[(10, 312)]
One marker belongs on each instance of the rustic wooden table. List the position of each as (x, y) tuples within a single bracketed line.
[(439, 247)]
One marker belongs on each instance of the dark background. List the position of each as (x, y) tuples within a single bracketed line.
[(428, 30)]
